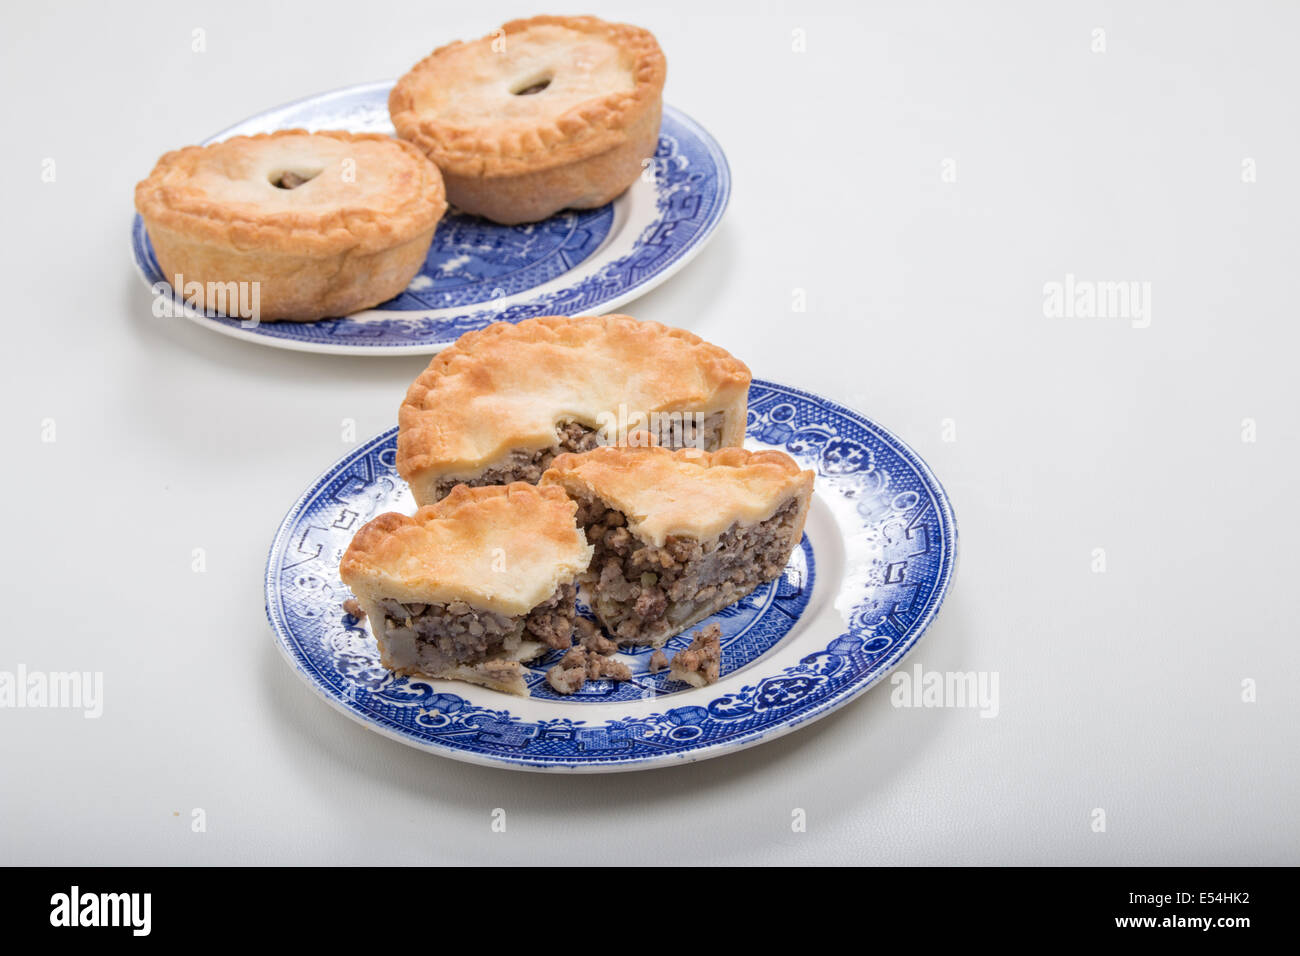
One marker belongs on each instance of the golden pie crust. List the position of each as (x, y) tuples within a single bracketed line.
[(687, 492), (351, 235), (506, 388), (514, 156), (501, 548)]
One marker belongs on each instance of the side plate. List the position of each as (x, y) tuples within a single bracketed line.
[(873, 568), (477, 272)]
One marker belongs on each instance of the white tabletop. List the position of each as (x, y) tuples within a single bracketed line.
[(922, 172)]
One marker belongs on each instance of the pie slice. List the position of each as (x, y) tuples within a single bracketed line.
[(542, 115), (306, 225), (679, 535), (499, 404), (468, 588)]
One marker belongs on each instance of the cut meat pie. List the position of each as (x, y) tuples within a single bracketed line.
[(542, 115), (500, 403), (324, 224), (468, 588), (679, 535)]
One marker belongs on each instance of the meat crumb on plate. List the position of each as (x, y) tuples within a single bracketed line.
[(701, 663), (580, 665)]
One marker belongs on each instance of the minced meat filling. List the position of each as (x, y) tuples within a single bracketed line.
[(591, 639), (528, 465), (701, 662), (574, 437), (443, 635), (684, 430), (644, 594)]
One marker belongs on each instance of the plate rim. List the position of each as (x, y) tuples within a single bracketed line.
[(645, 285), (918, 630)]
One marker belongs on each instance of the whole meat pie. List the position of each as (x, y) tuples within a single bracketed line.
[(501, 403), (324, 224), (468, 588), (679, 535), (543, 114)]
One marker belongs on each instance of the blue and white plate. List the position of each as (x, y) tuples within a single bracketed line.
[(575, 263), (867, 580)]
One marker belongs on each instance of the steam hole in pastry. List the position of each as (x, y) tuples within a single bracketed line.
[(535, 86), (289, 179)]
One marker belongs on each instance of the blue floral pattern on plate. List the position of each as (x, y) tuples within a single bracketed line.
[(876, 560), (478, 272)]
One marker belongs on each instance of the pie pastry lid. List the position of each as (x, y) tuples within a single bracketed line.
[(366, 193), (497, 548), (461, 107), (687, 492)]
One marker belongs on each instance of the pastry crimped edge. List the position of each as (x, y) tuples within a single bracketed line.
[(725, 487), (371, 566), (422, 442), (593, 127), (301, 233)]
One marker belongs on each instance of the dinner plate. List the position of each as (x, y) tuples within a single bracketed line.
[(866, 581), (575, 263)]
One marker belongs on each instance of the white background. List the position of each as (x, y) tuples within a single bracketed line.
[(1120, 691)]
